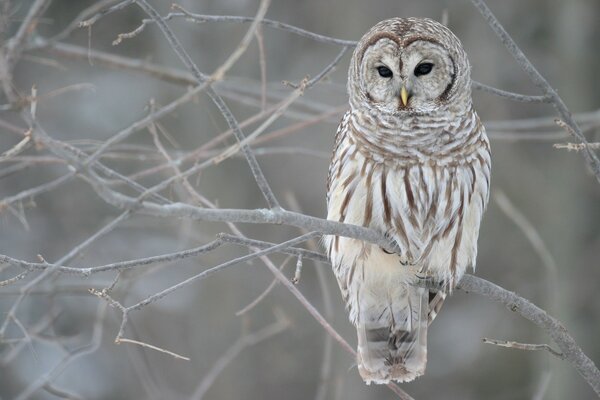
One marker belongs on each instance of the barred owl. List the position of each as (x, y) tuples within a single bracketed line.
[(411, 159)]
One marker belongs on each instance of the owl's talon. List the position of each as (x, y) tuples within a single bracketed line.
[(431, 283), (387, 252)]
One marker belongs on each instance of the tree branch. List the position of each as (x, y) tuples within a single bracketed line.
[(590, 157), (553, 327)]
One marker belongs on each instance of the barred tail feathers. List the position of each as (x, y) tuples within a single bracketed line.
[(392, 336)]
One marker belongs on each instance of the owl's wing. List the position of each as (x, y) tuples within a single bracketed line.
[(334, 166)]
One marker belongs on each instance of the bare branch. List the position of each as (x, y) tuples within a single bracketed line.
[(217, 100), (61, 393), (512, 96), (524, 346), (234, 350), (15, 45), (199, 18), (218, 268), (70, 358), (143, 344), (567, 345), (576, 146), (537, 243), (101, 11), (590, 157), (264, 294)]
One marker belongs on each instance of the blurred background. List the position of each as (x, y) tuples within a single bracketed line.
[(540, 236)]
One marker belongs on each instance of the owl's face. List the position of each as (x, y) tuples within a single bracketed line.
[(409, 65), (402, 78)]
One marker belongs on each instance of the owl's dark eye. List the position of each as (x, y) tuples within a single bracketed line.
[(423, 69), (385, 72)]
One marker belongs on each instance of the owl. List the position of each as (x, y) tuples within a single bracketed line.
[(411, 160)]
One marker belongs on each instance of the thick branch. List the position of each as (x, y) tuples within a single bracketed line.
[(553, 327)]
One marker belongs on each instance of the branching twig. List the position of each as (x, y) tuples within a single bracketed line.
[(524, 346), (264, 294), (567, 345), (245, 341), (590, 157), (15, 45), (217, 100)]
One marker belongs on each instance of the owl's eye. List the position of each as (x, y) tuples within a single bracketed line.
[(423, 69), (385, 72)]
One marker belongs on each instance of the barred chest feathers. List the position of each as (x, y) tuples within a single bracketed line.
[(430, 204)]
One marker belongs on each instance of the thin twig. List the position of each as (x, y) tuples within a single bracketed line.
[(543, 386), (234, 350), (61, 393), (538, 80), (149, 346), (217, 100), (576, 146), (82, 351), (567, 345), (263, 67), (102, 13), (264, 294), (512, 96), (14, 279), (199, 18), (218, 268), (14, 46), (118, 266), (524, 346), (536, 242)]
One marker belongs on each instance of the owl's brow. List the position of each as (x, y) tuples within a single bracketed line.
[(411, 39), (374, 39)]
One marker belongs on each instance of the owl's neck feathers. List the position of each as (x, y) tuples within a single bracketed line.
[(410, 138)]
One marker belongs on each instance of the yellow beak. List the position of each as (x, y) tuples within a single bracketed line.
[(404, 96)]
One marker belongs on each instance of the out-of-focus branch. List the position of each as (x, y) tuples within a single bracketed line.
[(538, 80), (243, 342), (216, 98), (14, 46), (199, 18), (71, 357)]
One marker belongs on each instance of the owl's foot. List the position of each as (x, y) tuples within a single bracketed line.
[(397, 249)]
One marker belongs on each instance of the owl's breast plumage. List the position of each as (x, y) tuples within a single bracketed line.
[(429, 204)]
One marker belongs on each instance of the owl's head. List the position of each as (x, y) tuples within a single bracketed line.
[(409, 65)]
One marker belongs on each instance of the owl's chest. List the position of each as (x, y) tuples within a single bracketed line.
[(415, 204), (431, 211), (376, 194)]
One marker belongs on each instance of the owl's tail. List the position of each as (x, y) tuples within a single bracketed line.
[(392, 335)]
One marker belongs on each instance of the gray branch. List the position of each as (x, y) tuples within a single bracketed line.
[(553, 327)]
